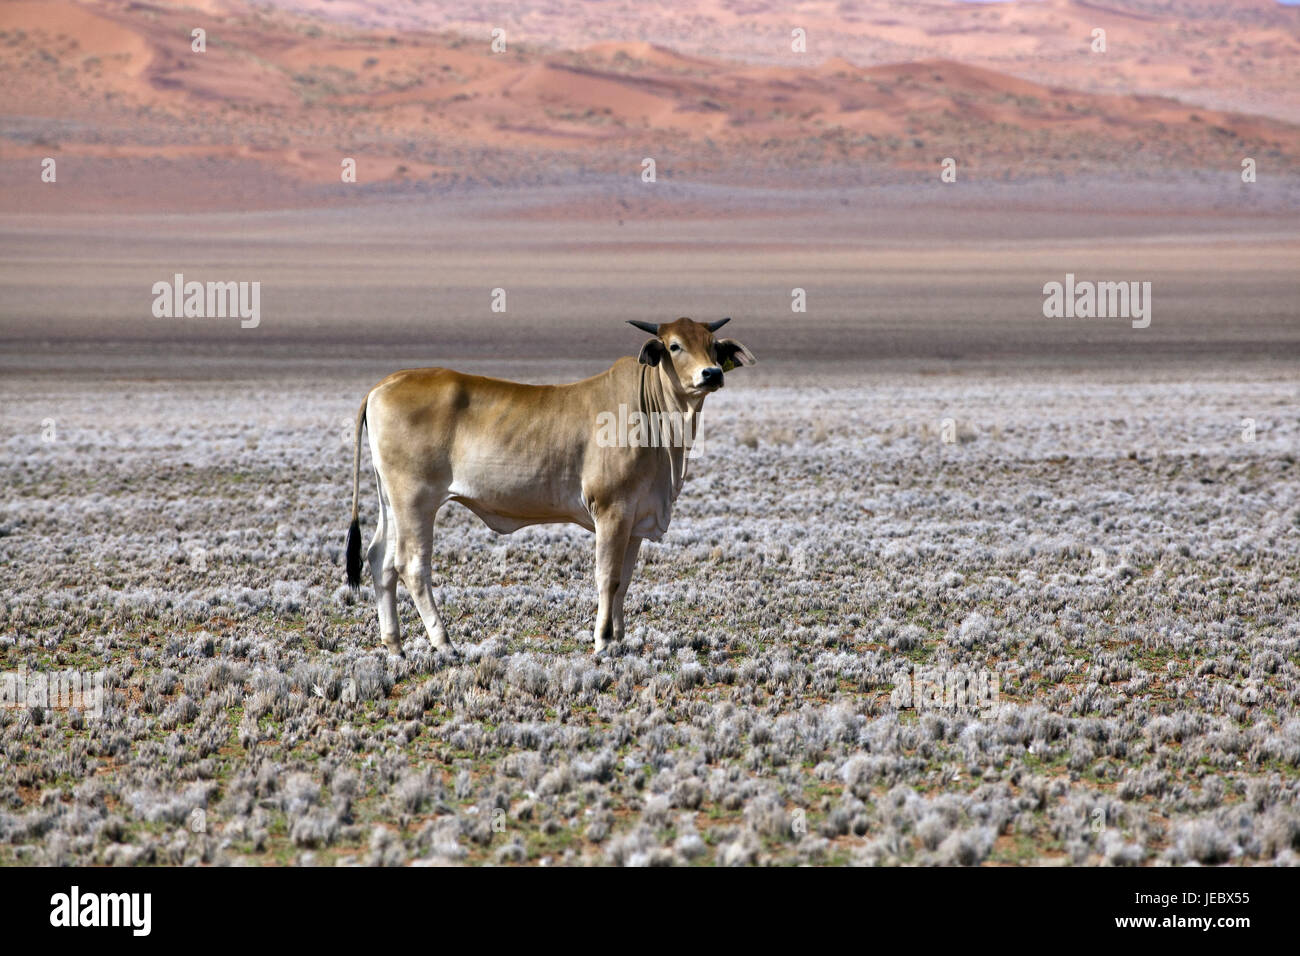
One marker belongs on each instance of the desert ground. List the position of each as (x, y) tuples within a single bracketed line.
[(1098, 530), (952, 582)]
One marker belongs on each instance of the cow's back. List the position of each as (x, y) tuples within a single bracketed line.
[(502, 448)]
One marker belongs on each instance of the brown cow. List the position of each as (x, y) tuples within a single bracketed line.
[(518, 455)]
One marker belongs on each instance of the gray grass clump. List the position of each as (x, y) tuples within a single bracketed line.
[(413, 792), (639, 847), (1202, 841), (966, 847), (742, 850)]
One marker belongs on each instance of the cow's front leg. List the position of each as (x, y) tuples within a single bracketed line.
[(625, 578), (612, 534)]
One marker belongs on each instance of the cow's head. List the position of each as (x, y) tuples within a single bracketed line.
[(689, 351)]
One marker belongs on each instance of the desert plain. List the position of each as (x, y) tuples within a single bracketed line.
[(952, 582)]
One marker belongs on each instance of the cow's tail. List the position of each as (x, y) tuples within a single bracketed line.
[(354, 531)]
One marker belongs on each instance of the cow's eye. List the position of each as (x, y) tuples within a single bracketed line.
[(674, 347)]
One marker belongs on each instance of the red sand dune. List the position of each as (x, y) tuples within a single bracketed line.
[(1225, 54), (266, 114)]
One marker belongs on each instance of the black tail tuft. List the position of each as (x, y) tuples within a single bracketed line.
[(354, 555)]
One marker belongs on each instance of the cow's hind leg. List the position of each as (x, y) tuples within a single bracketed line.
[(382, 558), (625, 578), (612, 534), (414, 556)]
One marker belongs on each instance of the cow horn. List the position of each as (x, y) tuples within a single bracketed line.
[(714, 326), (644, 326)]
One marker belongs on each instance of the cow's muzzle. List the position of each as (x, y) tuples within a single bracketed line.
[(711, 378)]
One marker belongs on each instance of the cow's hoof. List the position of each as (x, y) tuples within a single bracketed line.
[(394, 646)]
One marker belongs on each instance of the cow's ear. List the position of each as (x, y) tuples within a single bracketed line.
[(651, 352), (731, 353)]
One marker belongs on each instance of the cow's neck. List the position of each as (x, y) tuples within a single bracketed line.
[(658, 396)]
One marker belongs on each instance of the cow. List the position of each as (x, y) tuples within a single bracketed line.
[(518, 455)]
